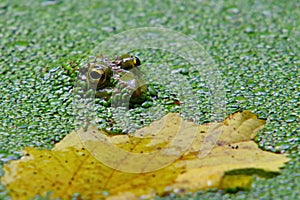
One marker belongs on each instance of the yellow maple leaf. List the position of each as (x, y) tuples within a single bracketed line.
[(152, 161)]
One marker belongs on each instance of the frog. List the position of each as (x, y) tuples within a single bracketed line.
[(118, 76)]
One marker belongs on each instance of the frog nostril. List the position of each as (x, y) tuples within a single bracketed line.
[(95, 75)]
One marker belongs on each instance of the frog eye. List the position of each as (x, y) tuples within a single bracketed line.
[(136, 61), (129, 62), (95, 75), (98, 77)]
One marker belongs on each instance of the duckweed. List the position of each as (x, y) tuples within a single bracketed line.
[(254, 44)]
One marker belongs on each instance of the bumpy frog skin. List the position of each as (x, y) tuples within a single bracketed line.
[(115, 76)]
